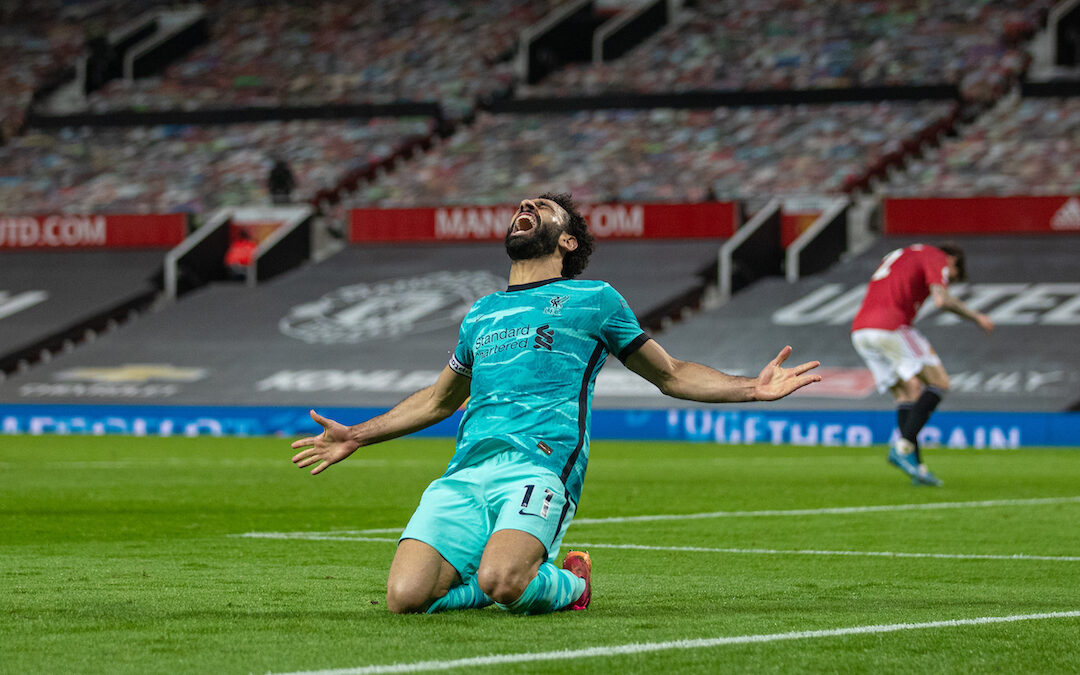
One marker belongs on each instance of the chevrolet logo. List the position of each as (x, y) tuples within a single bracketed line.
[(134, 372)]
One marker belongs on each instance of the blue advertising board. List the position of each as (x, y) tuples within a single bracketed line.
[(714, 425)]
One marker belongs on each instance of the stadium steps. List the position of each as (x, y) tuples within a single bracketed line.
[(83, 331)]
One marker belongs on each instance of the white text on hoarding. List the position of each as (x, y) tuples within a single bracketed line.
[(605, 220), (1008, 304), (28, 231)]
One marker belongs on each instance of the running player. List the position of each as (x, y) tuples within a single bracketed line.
[(901, 359), (527, 358)]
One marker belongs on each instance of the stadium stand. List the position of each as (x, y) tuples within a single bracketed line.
[(808, 44), (782, 150), (266, 57), (41, 42), (1025, 283), (1026, 146), (34, 45), (729, 102), (49, 298), (331, 335), (171, 168), (275, 54), (360, 328), (662, 154)]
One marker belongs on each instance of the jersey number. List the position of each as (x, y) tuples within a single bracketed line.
[(886, 265), (544, 508)]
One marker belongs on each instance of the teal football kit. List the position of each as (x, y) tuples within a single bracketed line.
[(533, 353)]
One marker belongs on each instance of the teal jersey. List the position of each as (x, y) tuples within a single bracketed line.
[(533, 352)]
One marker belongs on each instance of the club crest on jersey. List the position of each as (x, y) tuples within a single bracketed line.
[(545, 337), (555, 305)]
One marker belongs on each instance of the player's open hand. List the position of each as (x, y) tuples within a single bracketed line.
[(775, 381), (985, 322), (330, 447)]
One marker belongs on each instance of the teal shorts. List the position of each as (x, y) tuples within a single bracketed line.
[(459, 513)]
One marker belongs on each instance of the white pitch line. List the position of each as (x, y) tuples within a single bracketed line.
[(310, 536), (835, 510), (872, 554), (326, 536), (647, 647), (331, 533)]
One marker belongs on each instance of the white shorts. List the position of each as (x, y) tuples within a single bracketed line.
[(894, 355)]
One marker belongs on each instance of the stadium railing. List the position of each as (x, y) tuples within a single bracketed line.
[(821, 244), (753, 252)]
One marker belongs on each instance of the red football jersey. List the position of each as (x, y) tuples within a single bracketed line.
[(900, 285)]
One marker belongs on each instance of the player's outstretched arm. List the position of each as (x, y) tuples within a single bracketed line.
[(945, 300), (422, 409), (695, 382)]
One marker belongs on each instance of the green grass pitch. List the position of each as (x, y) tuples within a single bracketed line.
[(120, 555)]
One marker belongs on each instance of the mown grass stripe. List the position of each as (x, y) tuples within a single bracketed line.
[(321, 536), (647, 647), (831, 510)]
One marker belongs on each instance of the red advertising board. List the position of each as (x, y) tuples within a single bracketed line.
[(489, 223), (983, 215), (70, 231)]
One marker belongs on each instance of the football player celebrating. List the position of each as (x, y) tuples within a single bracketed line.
[(489, 529), (901, 359)]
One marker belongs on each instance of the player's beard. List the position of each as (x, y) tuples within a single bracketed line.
[(541, 241)]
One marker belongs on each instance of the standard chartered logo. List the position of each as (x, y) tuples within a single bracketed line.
[(386, 309), (502, 340)]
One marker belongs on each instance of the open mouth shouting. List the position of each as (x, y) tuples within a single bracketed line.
[(524, 221)]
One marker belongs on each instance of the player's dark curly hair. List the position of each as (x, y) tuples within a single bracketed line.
[(575, 262), (951, 248)]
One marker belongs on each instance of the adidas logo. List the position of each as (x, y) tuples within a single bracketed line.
[(1067, 217)]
